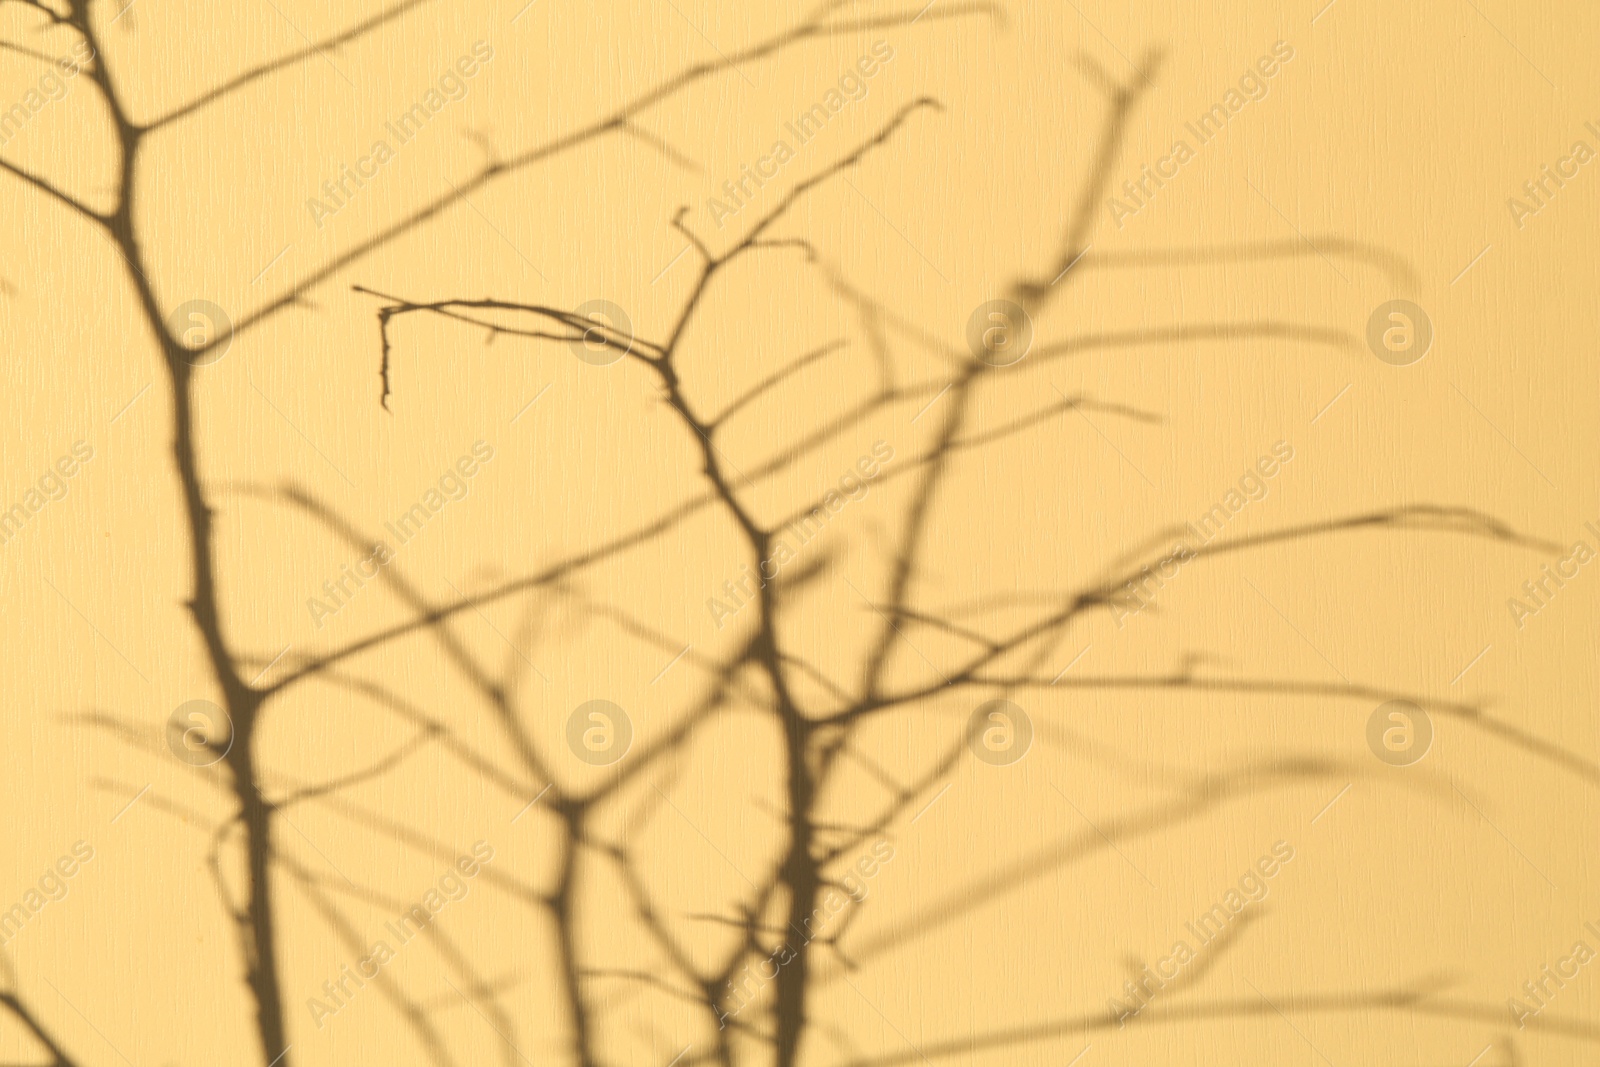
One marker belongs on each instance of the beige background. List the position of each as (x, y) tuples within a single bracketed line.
[(1015, 903)]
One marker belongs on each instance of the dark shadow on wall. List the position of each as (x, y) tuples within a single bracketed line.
[(817, 738)]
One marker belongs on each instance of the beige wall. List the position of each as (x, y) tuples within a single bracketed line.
[(1226, 313)]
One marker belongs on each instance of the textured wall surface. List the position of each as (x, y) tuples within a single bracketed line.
[(834, 533)]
